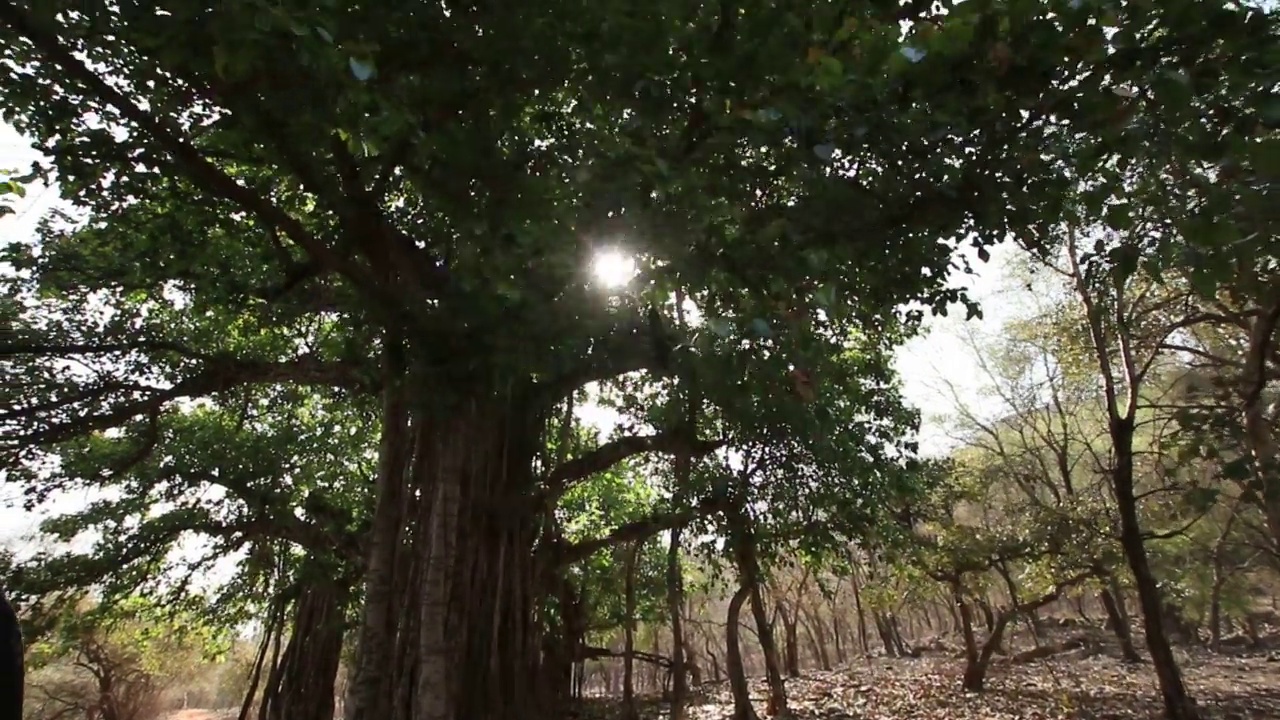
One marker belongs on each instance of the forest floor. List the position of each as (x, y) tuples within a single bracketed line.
[(1085, 684), (1095, 688), (200, 714)]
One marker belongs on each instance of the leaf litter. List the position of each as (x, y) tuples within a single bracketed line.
[(1092, 688)]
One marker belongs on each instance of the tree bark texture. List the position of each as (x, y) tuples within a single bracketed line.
[(742, 707), (1177, 703), (450, 627), (309, 664)]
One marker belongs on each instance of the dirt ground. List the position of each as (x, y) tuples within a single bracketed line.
[(1094, 688), (1063, 688), (198, 714)]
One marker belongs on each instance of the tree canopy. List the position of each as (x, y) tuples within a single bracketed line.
[(323, 296)]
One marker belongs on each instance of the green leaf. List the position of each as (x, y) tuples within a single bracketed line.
[(1119, 217), (1270, 110), (362, 68), (1200, 499), (1265, 157), (1172, 88), (221, 61), (721, 327), (1237, 470), (825, 297)]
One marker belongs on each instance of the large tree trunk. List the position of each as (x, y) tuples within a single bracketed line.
[(791, 636), (12, 666), (975, 671), (971, 652), (749, 574), (768, 648), (1177, 702), (978, 661), (885, 630), (309, 665), (1258, 425), (1119, 625), (742, 708), (271, 631), (373, 673), (564, 644), (1122, 404), (450, 584), (675, 606)]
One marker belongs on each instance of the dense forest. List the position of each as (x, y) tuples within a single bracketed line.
[(472, 361)]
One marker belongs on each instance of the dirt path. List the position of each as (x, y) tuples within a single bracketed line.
[(201, 714)]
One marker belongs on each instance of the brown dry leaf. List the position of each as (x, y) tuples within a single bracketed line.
[(1091, 688)]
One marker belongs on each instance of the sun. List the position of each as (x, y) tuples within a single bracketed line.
[(613, 268)]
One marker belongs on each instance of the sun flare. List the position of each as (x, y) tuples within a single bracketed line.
[(613, 268)]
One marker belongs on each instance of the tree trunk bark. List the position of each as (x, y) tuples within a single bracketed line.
[(450, 584), (675, 606), (1119, 626), (817, 633), (1081, 611), (371, 687), (1215, 615), (691, 661), (716, 673), (885, 631), (837, 633), (792, 653), (899, 642), (629, 633), (1177, 703), (971, 653), (272, 630), (309, 665), (1259, 427), (862, 615), (742, 708), (988, 617), (764, 631), (975, 672)]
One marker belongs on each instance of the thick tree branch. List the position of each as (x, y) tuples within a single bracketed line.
[(1261, 338), (34, 347), (637, 530), (190, 160), (629, 346), (615, 451), (215, 377), (586, 652)]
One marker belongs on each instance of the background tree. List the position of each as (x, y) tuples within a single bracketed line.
[(117, 663)]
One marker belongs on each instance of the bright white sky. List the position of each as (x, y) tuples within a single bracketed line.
[(923, 363)]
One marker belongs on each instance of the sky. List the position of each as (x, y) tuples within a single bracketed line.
[(927, 364)]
